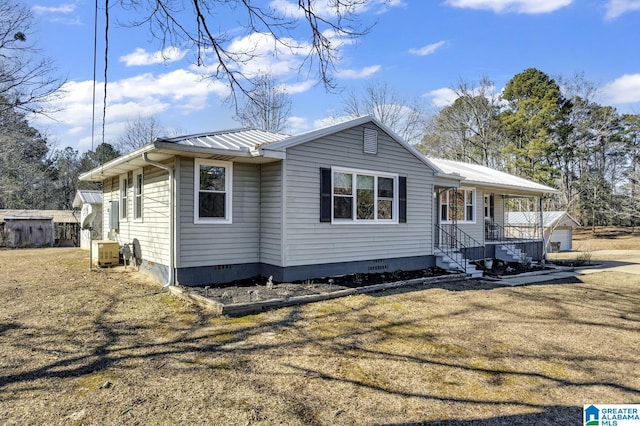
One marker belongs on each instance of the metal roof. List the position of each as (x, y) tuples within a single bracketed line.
[(232, 140), (58, 216), (476, 174), (549, 218), (230, 145), (84, 196)]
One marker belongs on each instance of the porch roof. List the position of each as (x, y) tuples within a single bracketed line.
[(87, 196), (475, 174), (550, 218)]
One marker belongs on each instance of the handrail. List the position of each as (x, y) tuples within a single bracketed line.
[(457, 240), (497, 234)]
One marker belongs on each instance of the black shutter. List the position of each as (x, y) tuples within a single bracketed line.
[(325, 195), (402, 199)]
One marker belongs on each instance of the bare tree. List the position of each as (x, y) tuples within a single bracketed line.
[(267, 106), (26, 79), (405, 117), (324, 26), (138, 133), (468, 130)]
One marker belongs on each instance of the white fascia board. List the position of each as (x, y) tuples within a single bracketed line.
[(98, 174), (518, 190), (133, 160)]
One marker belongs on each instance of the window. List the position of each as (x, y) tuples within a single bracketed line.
[(138, 183), (212, 198), (124, 196), (364, 196), (488, 207), (458, 205)]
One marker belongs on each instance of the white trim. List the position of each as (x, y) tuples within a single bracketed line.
[(354, 220), (136, 173), (465, 190), (123, 208), (228, 183)]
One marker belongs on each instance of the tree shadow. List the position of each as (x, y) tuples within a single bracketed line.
[(550, 415), (117, 344)]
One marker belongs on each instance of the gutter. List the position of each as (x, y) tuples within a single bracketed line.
[(170, 280)]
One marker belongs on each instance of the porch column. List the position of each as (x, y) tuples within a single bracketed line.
[(544, 242)]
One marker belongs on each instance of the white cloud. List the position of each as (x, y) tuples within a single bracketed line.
[(327, 8), (258, 53), (428, 49), (623, 90), (296, 125), (616, 8), (63, 8), (181, 92), (330, 121), (358, 74), (516, 6), (303, 86), (142, 57), (442, 97)]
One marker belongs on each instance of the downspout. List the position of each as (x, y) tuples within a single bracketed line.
[(170, 280)]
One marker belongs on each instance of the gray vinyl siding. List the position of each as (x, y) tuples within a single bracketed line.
[(271, 213), (308, 241), (153, 230), (220, 244)]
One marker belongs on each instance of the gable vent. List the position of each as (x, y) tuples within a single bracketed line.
[(370, 141)]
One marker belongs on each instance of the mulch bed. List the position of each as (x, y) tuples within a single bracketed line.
[(260, 289)]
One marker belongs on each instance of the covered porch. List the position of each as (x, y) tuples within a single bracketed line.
[(471, 224)]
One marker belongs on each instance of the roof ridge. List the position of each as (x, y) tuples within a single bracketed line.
[(217, 133)]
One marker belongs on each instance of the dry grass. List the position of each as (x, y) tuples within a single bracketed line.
[(111, 347), (606, 238)]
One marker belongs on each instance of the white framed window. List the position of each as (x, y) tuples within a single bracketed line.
[(124, 196), (458, 205), (138, 189), (363, 196), (212, 191)]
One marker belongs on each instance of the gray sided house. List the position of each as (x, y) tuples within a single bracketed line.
[(349, 198), (213, 208)]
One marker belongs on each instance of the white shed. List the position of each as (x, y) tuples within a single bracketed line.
[(558, 226), (90, 205)]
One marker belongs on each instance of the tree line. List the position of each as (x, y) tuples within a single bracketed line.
[(549, 130), (553, 132)]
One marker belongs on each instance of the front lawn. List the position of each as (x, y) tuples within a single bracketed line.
[(112, 347)]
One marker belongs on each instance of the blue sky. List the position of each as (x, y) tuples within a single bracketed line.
[(420, 48)]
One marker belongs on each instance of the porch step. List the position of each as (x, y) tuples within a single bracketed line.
[(510, 253), (451, 260)]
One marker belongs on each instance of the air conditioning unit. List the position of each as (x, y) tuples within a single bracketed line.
[(105, 253)]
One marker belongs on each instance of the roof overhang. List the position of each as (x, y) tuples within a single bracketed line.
[(514, 190), (161, 151)]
